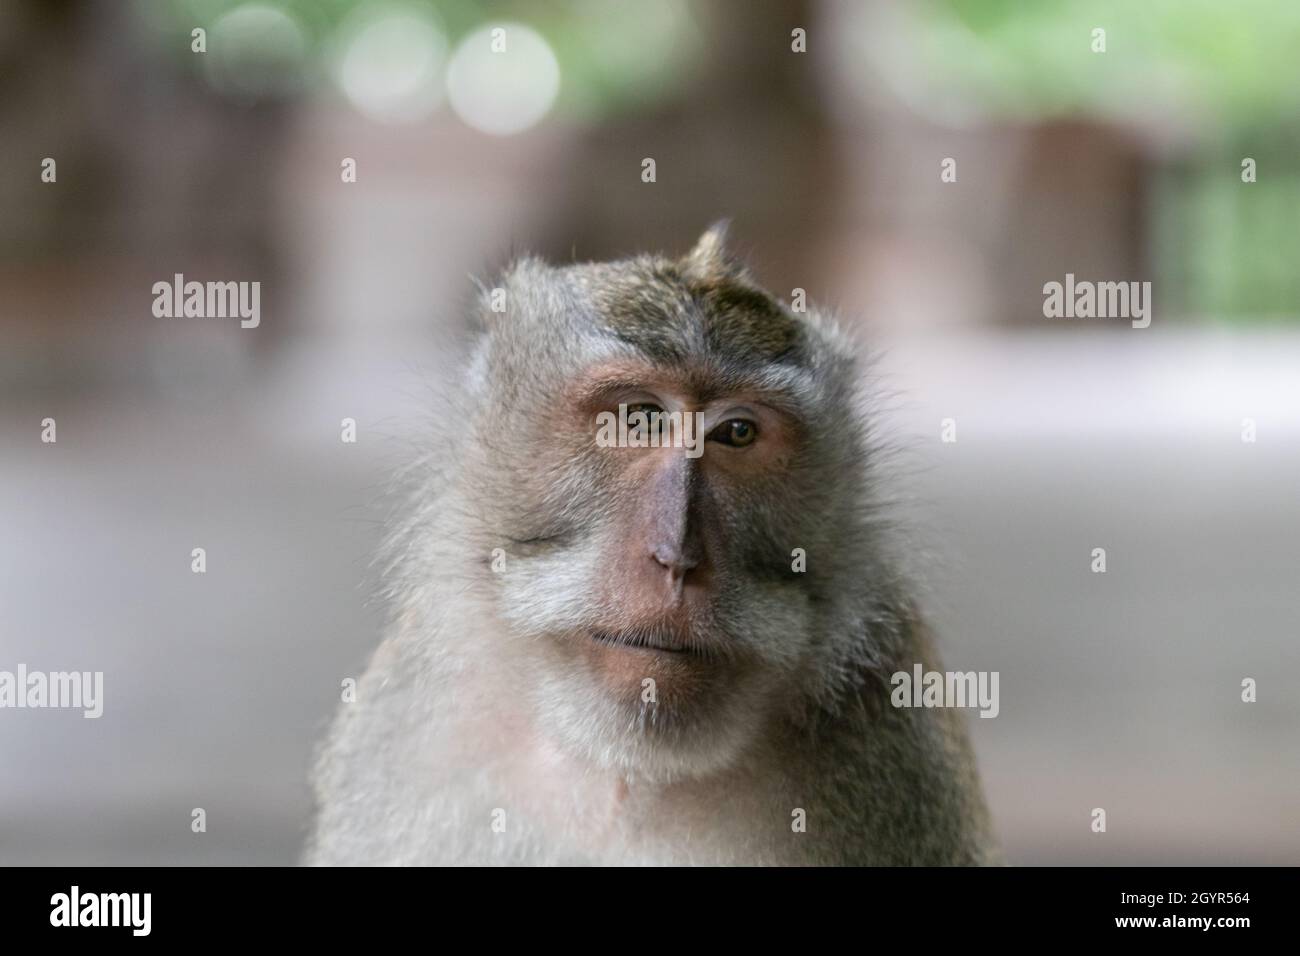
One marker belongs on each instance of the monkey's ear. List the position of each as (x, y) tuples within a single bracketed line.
[(710, 259)]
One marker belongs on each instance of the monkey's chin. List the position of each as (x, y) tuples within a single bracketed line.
[(651, 713)]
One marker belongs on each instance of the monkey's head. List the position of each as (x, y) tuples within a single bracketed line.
[(674, 466)]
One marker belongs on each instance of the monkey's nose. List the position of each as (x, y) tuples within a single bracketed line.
[(676, 560)]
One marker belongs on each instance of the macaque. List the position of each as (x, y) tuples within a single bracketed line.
[(630, 653)]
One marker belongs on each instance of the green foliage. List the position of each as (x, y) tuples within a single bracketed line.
[(612, 55), (1235, 63)]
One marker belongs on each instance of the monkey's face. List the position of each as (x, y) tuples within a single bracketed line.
[(665, 600), (659, 510)]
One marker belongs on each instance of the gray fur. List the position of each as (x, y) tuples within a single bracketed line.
[(467, 709)]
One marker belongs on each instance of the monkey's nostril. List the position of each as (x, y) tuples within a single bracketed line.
[(674, 560)]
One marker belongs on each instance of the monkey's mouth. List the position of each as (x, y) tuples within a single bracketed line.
[(652, 643)]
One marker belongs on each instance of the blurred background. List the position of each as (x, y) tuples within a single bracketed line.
[(221, 155)]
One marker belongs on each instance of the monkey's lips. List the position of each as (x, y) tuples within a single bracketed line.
[(678, 660), (645, 643)]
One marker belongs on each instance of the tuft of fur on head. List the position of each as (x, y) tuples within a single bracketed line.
[(495, 479)]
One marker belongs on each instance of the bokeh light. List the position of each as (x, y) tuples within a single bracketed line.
[(255, 50), (503, 91), (390, 62)]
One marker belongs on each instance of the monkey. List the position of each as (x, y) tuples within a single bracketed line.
[(634, 655)]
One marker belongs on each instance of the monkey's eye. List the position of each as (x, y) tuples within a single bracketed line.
[(735, 431), (641, 416)]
